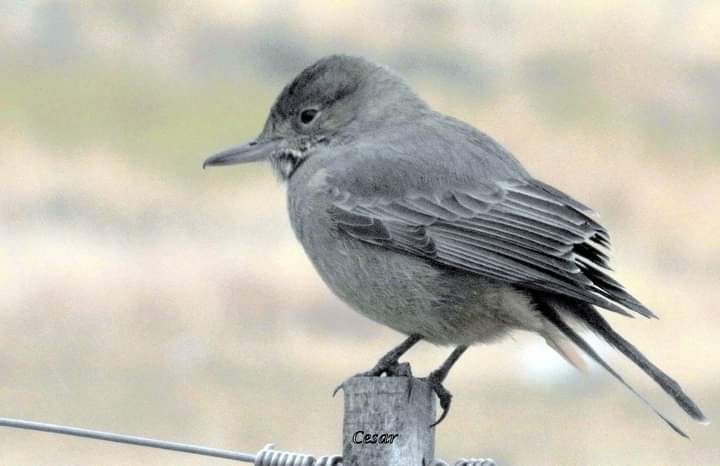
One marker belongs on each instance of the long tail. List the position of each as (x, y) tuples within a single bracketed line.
[(597, 323)]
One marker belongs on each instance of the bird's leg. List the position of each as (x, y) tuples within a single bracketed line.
[(388, 364), (437, 377)]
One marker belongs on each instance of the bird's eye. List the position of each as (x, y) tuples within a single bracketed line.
[(308, 115)]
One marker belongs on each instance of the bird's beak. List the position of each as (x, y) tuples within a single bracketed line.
[(252, 151)]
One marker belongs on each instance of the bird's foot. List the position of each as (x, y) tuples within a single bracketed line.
[(435, 380), (391, 368)]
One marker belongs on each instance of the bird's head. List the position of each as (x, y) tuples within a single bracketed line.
[(331, 102)]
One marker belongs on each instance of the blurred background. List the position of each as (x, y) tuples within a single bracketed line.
[(142, 295)]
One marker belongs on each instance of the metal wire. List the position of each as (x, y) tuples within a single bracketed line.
[(129, 439), (265, 457), (268, 456), (467, 462), (475, 462)]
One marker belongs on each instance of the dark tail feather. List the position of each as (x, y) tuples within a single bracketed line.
[(596, 322), (554, 317)]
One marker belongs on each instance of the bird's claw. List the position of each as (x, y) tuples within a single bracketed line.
[(435, 381), (400, 369), (389, 368)]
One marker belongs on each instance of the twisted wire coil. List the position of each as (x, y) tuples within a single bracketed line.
[(270, 457), (467, 462)]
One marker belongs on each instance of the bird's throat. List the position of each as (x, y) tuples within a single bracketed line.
[(285, 162)]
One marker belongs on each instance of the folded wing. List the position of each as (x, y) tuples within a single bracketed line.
[(521, 232)]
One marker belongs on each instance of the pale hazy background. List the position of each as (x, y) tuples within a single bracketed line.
[(142, 295)]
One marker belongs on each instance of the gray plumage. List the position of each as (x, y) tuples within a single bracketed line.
[(427, 225)]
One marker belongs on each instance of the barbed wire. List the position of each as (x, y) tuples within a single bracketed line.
[(268, 456)]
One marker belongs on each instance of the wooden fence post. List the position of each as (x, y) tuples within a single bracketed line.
[(387, 422)]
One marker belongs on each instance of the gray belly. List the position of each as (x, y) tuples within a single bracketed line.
[(411, 295)]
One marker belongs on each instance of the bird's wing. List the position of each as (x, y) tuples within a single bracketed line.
[(521, 232)]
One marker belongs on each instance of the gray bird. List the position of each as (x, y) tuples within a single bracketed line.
[(423, 223)]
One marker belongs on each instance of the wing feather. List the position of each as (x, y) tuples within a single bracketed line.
[(521, 232)]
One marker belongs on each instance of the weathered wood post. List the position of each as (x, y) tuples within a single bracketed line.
[(387, 422)]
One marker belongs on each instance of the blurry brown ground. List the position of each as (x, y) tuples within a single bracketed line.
[(142, 295)]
